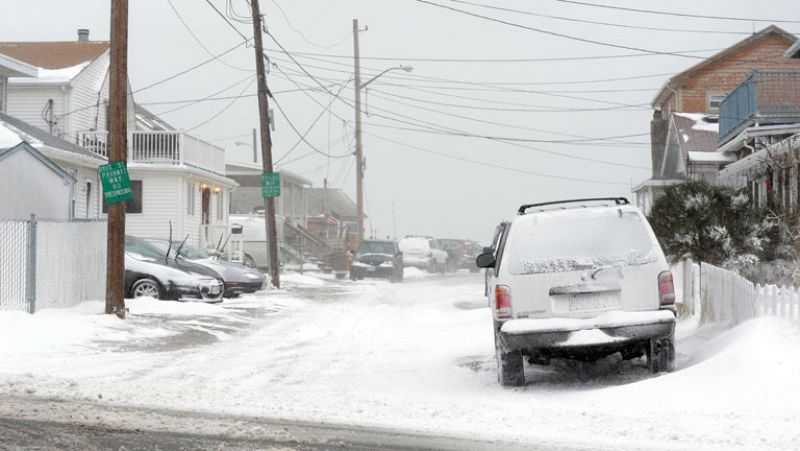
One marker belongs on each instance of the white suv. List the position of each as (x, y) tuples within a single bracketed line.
[(422, 252), (579, 279)]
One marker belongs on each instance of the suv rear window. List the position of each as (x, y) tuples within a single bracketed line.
[(375, 247), (578, 239)]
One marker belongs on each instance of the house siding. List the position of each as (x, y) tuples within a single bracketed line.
[(28, 103), (89, 96), (159, 206), (764, 54), (48, 198)]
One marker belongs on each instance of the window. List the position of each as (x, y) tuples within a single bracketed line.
[(715, 99), (190, 199), (134, 205)]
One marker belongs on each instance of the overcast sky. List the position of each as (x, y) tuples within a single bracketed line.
[(433, 180)]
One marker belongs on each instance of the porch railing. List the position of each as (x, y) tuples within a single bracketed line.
[(161, 147), (764, 96)]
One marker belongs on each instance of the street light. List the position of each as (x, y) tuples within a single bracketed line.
[(359, 146), (254, 146)]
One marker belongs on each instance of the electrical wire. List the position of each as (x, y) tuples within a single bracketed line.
[(302, 135), (199, 42), (225, 18), (186, 71), (310, 127), (303, 36), (674, 14), (223, 109), (594, 22), (493, 165), (554, 33), (492, 60)]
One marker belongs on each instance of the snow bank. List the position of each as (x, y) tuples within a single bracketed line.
[(301, 279), (414, 273)]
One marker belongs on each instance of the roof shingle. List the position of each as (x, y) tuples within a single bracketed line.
[(54, 55)]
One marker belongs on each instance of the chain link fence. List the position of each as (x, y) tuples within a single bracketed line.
[(51, 263), (14, 244)]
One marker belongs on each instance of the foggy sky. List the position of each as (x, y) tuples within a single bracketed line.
[(431, 194)]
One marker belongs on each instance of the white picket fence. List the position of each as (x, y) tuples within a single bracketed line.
[(720, 295)]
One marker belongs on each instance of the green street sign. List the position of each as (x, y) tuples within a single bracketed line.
[(116, 183), (271, 184)]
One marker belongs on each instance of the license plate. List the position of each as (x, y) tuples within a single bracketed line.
[(370, 269), (579, 303), (214, 290)]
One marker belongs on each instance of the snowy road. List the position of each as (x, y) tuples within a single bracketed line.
[(416, 356)]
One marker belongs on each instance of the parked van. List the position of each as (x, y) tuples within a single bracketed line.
[(579, 279)]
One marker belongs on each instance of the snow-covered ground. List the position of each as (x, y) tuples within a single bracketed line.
[(417, 355)]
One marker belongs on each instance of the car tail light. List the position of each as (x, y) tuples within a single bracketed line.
[(502, 302), (430, 253), (666, 289)]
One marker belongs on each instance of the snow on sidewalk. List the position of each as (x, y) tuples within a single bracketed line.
[(406, 356)]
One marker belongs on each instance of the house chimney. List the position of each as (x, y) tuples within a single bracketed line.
[(83, 35)]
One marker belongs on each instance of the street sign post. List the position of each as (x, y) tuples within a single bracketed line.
[(116, 183), (271, 184)]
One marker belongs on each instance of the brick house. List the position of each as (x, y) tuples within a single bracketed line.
[(699, 91)]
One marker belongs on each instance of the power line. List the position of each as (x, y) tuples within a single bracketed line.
[(492, 165), (668, 13), (594, 22), (310, 127), (302, 135), (223, 109), (493, 60), (225, 18), (186, 71), (554, 33), (199, 42), (303, 36), (212, 99), (210, 96)]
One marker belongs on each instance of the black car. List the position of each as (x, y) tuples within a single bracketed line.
[(377, 258)]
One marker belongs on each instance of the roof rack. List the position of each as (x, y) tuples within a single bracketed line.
[(616, 200)]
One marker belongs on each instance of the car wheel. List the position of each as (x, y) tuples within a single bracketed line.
[(510, 370), (146, 288), (353, 276), (661, 354)]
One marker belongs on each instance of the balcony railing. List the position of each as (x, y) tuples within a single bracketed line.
[(161, 148), (771, 97)]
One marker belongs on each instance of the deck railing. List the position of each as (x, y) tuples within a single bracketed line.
[(161, 147), (764, 96)]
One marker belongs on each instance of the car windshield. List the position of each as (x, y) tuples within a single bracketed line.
[(376, 247), (449, 244), (143, 250), (187, 250), (576, 240)]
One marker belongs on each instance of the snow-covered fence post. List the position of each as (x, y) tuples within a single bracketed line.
[(30, 267)]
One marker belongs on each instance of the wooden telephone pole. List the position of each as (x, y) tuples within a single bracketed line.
[(266, 145), (118, 139), (359, 146)]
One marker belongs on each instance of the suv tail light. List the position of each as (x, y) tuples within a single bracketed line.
[(502, 302), (666, 289)]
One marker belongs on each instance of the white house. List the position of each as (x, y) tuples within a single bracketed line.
[(177, 178), (50, 197)]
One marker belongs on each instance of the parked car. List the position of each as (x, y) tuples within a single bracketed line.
[(236, 277), (377, 258), (422, 252), (471, 252), (583, 280), (148, 273), (455, 252)]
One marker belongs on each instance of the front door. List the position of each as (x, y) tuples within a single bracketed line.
[(206, 216)]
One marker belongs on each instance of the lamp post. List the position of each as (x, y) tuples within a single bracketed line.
[(254, 146), (359, 145)]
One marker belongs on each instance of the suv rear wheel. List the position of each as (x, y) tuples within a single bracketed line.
[(510, 370), (661, 354)]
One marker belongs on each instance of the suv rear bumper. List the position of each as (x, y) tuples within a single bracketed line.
[(616, 329)]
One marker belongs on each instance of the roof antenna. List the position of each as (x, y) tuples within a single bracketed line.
[(169, 247)]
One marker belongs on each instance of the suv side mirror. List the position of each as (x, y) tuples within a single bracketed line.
[(485, 260)]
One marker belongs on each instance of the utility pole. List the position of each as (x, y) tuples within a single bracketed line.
[(255, 147), (118, 139), (359, 149), (266, 145)]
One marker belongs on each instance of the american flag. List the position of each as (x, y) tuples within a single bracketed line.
[(334, 218)]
